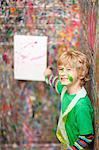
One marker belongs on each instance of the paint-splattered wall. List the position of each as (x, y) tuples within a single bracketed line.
[(90, 45), (29, 110)]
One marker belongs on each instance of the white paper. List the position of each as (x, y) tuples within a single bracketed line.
[(30, 57)]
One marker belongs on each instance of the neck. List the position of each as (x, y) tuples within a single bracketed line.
[(73, 89)]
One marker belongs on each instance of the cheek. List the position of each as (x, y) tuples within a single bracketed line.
[(70, 78)]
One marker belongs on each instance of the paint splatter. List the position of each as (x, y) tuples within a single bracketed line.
[(70, 78)]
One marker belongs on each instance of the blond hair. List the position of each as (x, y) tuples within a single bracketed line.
[(79, 61)]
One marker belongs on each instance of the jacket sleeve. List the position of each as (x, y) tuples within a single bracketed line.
[(54, 82), (83, 142)]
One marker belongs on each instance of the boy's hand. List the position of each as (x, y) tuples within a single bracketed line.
[(48, 71)]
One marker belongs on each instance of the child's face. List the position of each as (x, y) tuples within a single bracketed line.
[(67, 75)]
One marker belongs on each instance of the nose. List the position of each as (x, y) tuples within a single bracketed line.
[(63, 72)]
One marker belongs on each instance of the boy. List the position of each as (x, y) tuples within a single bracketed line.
[(75, 126)]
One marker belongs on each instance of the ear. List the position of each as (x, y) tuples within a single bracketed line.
[(81, 77), (81, 74)]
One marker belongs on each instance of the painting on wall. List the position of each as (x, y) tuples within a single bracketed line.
[(30, 57)]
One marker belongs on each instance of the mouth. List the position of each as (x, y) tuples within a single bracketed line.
[(63, 78)]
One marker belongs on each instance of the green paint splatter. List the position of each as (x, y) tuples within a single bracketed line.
[(70, 78), (14, 127), (9, 32), (3, 12), (58, 76), (73, 1), (61, 71)]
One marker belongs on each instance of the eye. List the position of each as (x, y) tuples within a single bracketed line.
[(61, 69), (68, 69)]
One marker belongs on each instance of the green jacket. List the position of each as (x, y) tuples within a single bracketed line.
[(76, 115)]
